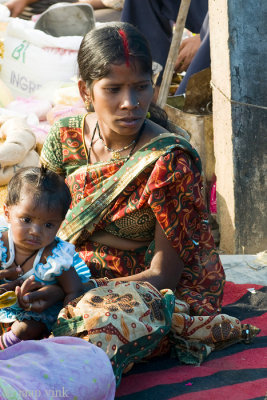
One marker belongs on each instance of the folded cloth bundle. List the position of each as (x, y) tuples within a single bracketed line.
[(131, 320), (17, 150), (125, 319)]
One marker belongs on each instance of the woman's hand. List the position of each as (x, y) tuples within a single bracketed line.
[(8, 286), (71, 284), (36, 297), (11, 274)]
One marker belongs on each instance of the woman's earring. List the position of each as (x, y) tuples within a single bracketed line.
[(87, 104)]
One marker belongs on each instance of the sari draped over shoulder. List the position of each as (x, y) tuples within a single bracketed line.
[(161, 182), (132, 320)]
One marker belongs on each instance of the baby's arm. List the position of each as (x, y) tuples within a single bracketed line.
[(71, 284), (11, 273)]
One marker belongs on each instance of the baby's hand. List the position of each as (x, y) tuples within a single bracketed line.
[(11, 274)]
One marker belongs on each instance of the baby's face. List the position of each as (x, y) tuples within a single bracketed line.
[(33, 227)]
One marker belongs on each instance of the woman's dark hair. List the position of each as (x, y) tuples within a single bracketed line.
[(105, 45), (113, 43), (47, 188)]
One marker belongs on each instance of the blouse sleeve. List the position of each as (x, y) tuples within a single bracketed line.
[(62, 259), (175, 197), (51, 155), (3, 249)]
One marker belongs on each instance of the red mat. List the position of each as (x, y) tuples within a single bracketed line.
[(238, 372)]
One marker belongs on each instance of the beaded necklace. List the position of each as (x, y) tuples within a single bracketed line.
[(115, 153), (134, 143)]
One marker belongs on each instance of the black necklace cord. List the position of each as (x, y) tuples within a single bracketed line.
[(112, 150), (134, 143), (24, 262), (87, 161)]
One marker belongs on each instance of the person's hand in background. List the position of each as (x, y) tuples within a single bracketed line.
[(17, 6), (187, 52)]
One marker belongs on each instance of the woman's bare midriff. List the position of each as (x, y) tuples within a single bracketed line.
[(110, 240)]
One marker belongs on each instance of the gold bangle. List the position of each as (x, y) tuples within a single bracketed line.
[(102, 281)]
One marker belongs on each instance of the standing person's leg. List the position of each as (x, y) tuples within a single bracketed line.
[(201, 59)]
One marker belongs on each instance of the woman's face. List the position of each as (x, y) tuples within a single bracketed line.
[(121, 99)]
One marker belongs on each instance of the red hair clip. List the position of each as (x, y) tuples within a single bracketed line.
[(126, 46)]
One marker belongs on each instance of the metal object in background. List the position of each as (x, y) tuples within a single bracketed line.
[(67, 19)]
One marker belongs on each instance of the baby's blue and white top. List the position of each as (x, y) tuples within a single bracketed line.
[(63, 257)]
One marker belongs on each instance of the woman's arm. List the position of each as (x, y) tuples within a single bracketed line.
[(177, 202), (7, 286), (11, 274), (51, 156), (71, 284), (166, 266), (110, 240)]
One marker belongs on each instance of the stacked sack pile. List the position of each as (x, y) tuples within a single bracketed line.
[(38, 85)]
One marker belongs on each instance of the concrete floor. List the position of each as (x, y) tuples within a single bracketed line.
[(245, 268)]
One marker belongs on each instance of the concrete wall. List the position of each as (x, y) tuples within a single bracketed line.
[(238, 31)]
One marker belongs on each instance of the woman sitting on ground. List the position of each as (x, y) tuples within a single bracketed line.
[(137, 210)]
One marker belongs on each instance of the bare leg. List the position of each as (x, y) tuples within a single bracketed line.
[(28, 329)]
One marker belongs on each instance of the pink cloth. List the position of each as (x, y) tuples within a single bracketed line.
[(30, 105), (213, 200), (62, 367)]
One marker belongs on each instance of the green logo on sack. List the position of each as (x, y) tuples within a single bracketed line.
[(19, 51)]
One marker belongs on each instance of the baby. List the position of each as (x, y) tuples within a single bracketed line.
[(37, 202)]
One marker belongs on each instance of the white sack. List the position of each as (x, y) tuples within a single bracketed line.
[(33, 58)]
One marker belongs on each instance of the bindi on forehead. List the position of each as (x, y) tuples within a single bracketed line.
[(125, 46)]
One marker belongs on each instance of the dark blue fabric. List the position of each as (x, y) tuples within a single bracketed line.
[(202, 57), (154, 19)]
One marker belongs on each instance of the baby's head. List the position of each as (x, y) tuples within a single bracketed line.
[(47, 189)]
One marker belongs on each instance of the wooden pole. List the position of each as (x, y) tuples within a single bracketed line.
[(173, 52)]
